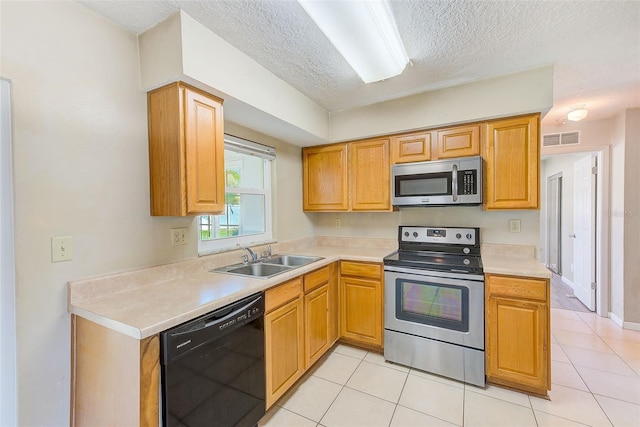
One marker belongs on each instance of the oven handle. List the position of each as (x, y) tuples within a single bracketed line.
[(432, 273), (454, 183)]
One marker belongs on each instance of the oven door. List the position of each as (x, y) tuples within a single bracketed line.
[(428, 306)]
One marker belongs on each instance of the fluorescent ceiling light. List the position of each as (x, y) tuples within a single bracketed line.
[(365, 34), (577, 113)]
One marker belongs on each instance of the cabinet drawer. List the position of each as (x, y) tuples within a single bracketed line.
[(316, 278), (360, 269), (282, 294), (519, 287)]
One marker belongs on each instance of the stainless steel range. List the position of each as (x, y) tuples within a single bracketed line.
[(434, 302)]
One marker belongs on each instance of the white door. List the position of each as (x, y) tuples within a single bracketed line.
[(584, 248)]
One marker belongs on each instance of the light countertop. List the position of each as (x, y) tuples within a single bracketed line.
[(147, 306), (145, 302), (512, 260)]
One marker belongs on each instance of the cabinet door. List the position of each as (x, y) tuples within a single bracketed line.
[(370, 175), (459, 141), (284, 349), (517, 348), (186, 150), (204, 151), (361, 310), (512, 163), (317, 324), (415, 147), (325, 178)]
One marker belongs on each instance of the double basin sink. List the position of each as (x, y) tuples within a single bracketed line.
[(268, 267)]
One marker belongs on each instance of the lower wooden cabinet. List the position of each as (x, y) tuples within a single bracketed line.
[(518, 353), (300, 326), (361, 303), (284, 338)]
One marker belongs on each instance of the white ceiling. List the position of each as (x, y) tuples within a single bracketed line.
[(594, 46)]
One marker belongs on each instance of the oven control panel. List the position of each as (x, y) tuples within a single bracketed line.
[(447, 235)]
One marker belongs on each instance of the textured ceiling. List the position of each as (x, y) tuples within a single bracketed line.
[(594, 46)]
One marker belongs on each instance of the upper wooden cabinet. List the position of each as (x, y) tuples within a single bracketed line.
[(325, 178), (459, 141), (414, 147), (186, 151), (512, 163), (370, 175), (351, 176)]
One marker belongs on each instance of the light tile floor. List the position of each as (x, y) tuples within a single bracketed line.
[(595, 378)]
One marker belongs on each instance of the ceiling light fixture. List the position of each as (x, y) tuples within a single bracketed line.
[(365, 34), (577, 113)]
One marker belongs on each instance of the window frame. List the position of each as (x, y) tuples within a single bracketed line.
[(268, 154)]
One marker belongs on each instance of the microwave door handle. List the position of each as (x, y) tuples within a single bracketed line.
[(454, 183)]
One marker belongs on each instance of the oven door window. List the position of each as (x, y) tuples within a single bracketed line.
[(432, 184), (444, 306)]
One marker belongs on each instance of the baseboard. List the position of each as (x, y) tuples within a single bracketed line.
[(634, 326), (568, 282)]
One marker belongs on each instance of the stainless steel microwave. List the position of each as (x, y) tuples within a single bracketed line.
[(438, 183)]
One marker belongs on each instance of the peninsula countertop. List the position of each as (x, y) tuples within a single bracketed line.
[(145, 302)]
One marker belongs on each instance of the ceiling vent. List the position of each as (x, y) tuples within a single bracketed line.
[(557, 139)]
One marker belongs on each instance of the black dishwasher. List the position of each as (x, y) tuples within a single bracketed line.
[(212, 368)]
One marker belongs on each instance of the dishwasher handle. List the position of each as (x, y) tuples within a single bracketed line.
[(182, 339)]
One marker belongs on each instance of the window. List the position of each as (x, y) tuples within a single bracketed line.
[(246, 219)]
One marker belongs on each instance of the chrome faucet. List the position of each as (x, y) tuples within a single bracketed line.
[(266, 254), (254, 256)]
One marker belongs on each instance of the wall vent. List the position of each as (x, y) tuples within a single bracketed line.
[(557, 139)]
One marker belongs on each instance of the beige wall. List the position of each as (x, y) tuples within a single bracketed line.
[(181, 47), (81, 169), (552, 166), (290, 222), (518, 93), (617, 215), (494, 225), (632, 218)]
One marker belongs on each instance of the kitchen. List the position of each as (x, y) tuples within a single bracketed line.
[(79, 111)]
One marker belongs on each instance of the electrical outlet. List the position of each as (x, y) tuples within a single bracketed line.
[(61, 248), (514, 225), (338, 223), (178, 236)]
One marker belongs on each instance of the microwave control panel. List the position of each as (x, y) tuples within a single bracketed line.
[(467, 182)]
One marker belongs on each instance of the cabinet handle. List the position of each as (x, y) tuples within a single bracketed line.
[(573, 236)]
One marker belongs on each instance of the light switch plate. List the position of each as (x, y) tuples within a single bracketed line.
[(514, 225), (61, 248)]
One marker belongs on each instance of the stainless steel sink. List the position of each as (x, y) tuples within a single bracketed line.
[(259, 270), (291, 260), (268, 267)]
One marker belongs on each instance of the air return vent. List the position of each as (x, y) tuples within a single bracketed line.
[(556, 139)]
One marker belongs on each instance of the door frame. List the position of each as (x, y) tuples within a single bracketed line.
[(556, 176), (8, 337), (603, 197)]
